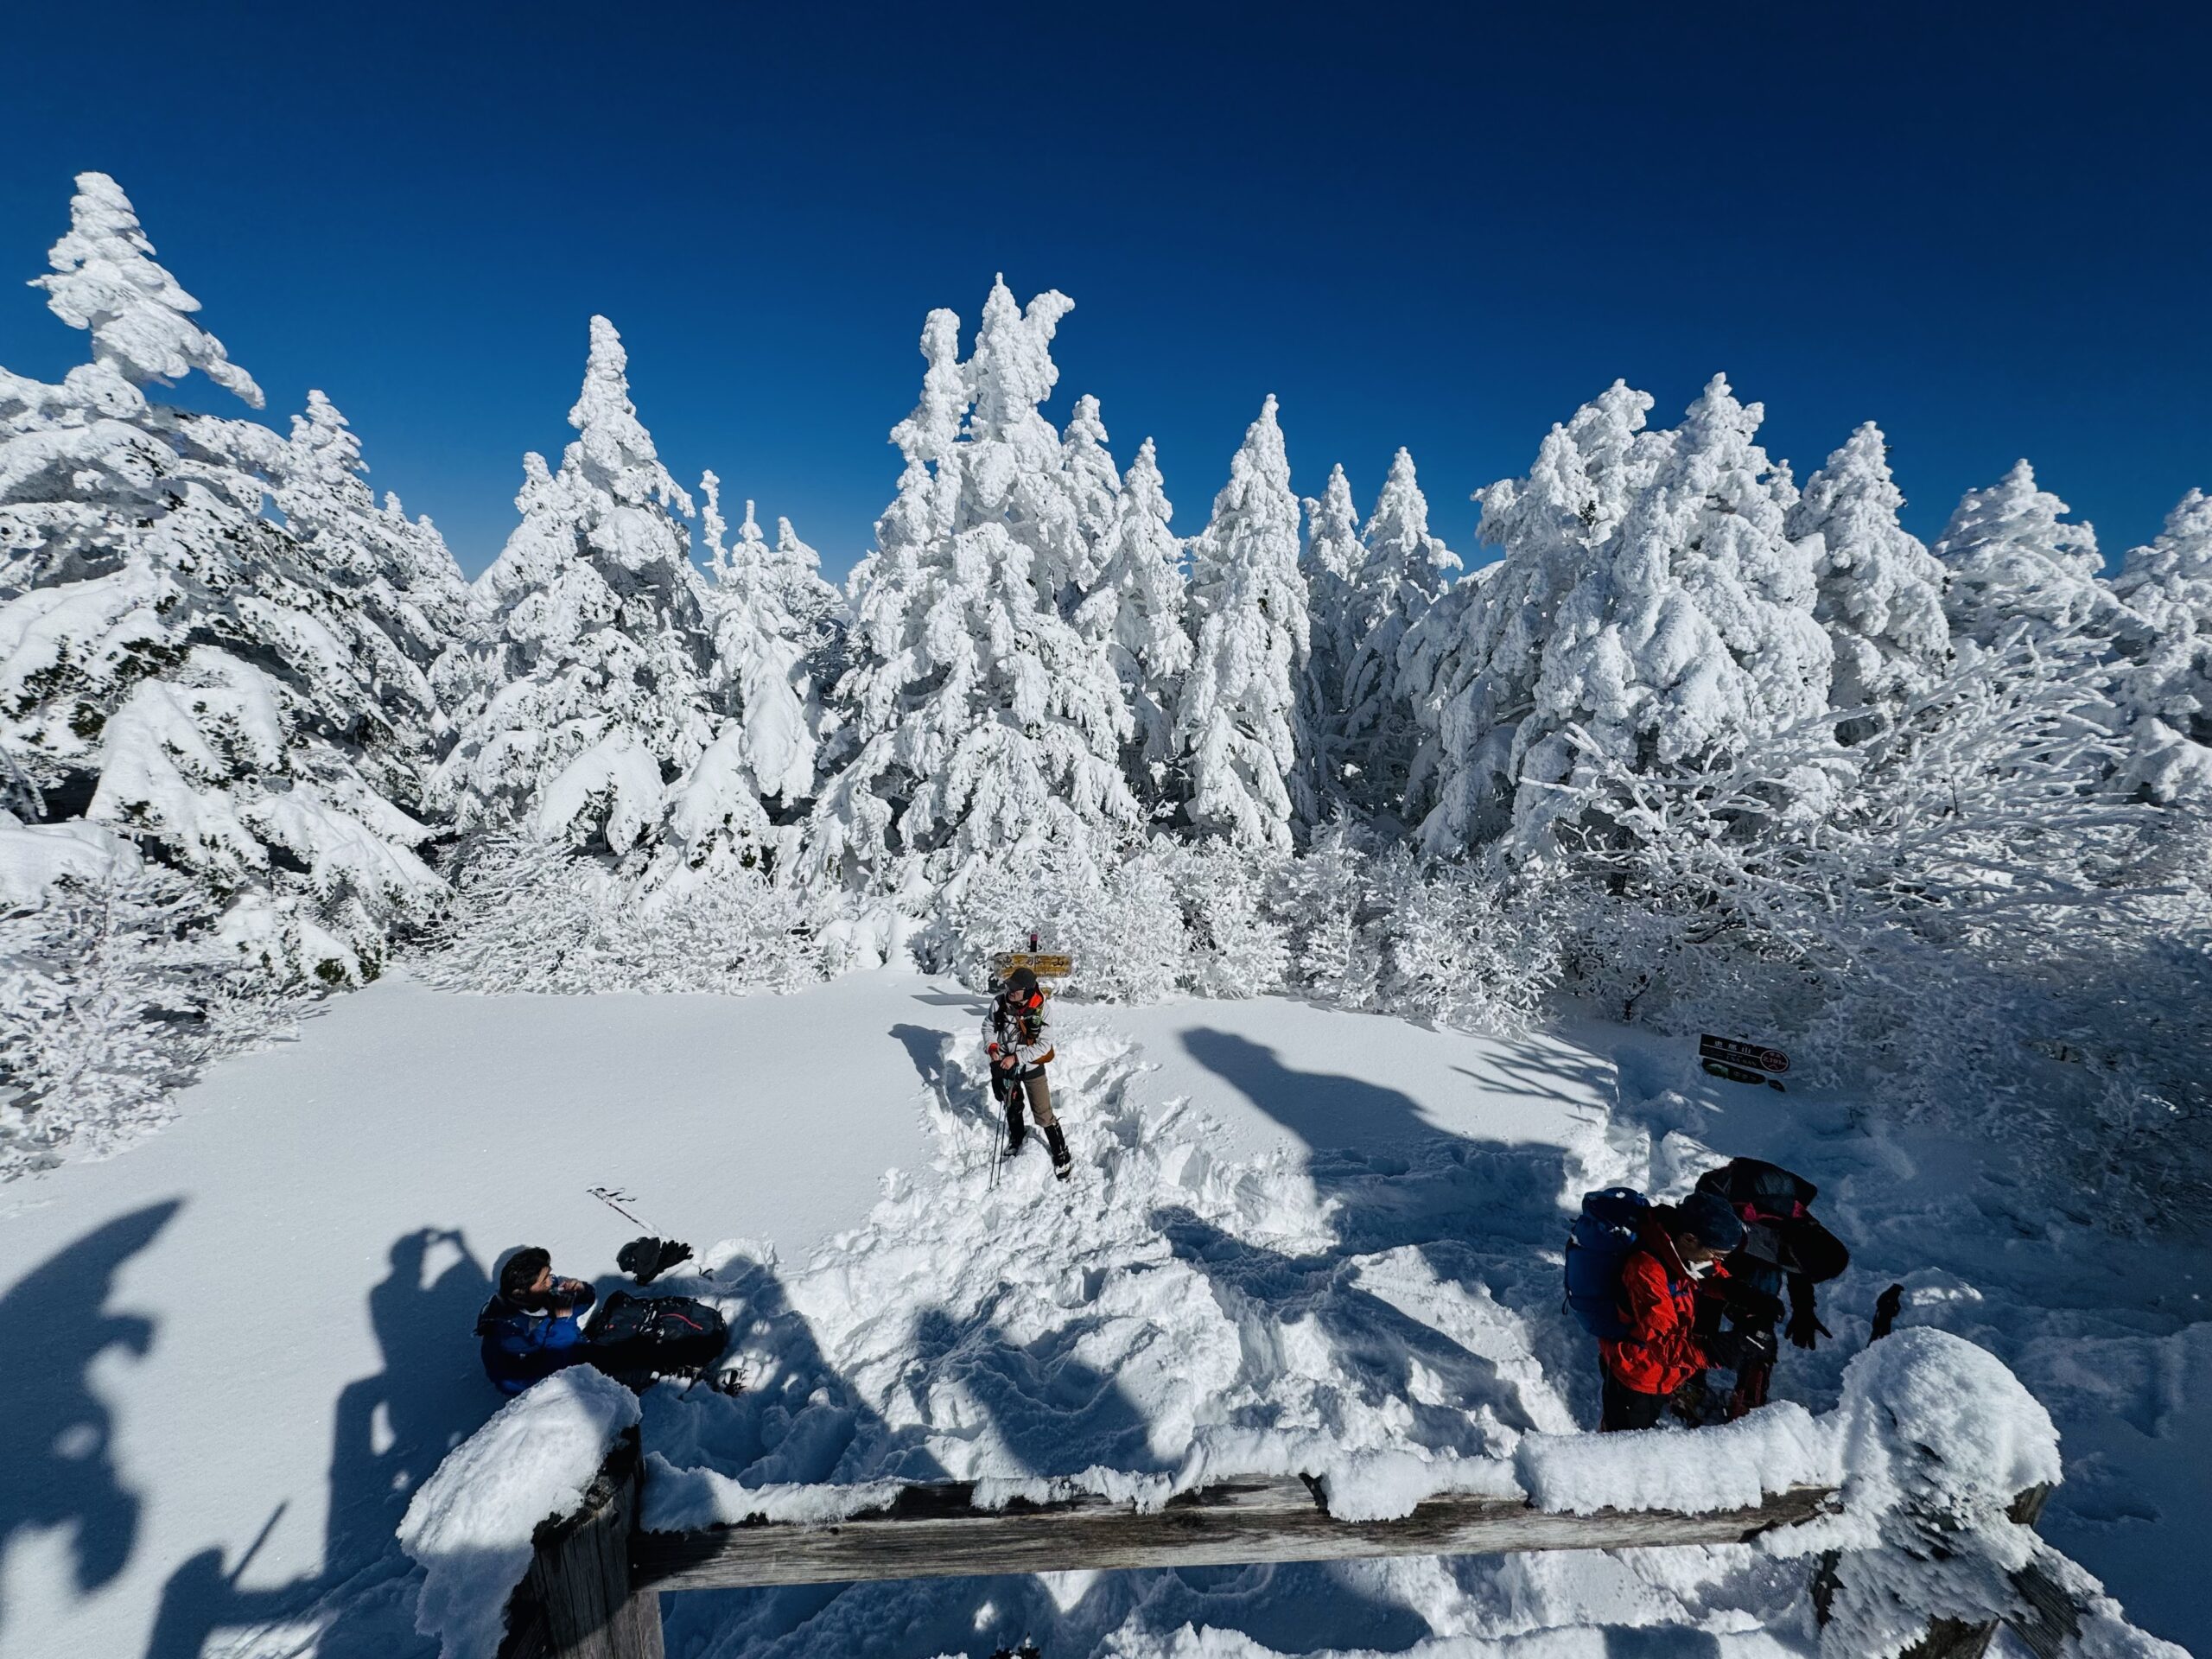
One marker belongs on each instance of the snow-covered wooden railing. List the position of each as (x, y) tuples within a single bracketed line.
[(1917, 1497)]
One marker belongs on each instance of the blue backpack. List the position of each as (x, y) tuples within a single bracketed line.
[(1600, 1241)]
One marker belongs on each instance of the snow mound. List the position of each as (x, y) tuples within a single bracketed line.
[(470, 1527)]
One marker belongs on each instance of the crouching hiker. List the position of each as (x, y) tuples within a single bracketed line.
[(1784, 1248), (1018, 1050), (1633, 1270), (530, 1329)]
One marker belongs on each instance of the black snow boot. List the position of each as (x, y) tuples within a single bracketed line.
[(1061, 1162)]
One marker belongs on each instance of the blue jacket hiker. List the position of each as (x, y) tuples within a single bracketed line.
[(529, 1330)]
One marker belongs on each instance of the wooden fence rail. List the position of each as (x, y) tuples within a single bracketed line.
[(593, 1591)]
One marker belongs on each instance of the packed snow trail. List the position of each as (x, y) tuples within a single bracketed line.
[(1294, 1236)]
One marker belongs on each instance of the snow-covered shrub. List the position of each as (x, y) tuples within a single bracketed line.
[(1467, 946), (113, 992), (529, 916)]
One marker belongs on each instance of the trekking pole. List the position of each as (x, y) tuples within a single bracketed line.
[(614, 1199)]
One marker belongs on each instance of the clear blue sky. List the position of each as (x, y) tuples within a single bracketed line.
[(1988, 229)]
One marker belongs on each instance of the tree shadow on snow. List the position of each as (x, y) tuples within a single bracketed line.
[(57, 1468), (389, 1432)]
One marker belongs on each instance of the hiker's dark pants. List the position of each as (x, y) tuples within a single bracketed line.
[(1625, 1408), (1015, 1087)]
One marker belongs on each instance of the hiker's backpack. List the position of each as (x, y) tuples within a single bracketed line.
[(1597, 1245), (654, 1335)]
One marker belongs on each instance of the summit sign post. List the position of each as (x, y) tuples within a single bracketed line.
[(1741, 1061)]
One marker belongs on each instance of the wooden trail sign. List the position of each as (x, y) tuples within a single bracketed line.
[(1045, 964), (1739, 1062)]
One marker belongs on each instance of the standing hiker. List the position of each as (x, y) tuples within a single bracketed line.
[(1784, 1249), (1633, 1278), (1015, 1043)]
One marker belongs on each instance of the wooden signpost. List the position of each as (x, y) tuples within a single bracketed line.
[(1045, 964), (1741, 1061)]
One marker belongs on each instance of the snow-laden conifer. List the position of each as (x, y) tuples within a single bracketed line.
[(1331, 557), (2013, 565), (593, 674), (176, 666), (1135, 605), (1880, 593), (105, 280), (2167, 685), (978, 721), (1650, 607), (1237, 727), (1094, 490), (398, 572), (1404, 571)]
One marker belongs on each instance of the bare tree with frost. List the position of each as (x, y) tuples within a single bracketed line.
[(1237, 727), (179, 667), (979, 723)]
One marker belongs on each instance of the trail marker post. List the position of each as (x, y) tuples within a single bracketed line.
[(1741, 1061)]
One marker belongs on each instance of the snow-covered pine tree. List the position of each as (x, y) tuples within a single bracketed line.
[(176, 666), (1471, 664), (764, 671), (1331, 557), (593, 672), (1238, 724), (1651, 606), (1135, 605), (1880, 593), (1094, 489), (979, 723), (2166, 686), (398, 574), (1405, 571), (2013, 565)]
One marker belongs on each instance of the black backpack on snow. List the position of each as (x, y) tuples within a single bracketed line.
[(647, 1336)]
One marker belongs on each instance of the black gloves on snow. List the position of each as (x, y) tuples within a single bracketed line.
[(1804, 1327)]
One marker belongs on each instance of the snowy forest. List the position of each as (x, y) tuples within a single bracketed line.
[(1690, 740)]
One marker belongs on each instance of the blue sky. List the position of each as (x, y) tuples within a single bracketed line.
[(1442, 227)]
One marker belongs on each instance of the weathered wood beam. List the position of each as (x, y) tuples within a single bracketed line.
[(577, 1601), (935, 1532)]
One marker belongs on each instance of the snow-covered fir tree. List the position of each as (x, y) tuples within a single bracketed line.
[(594, 670), (1403, 572), (1880, 593), (1237, 727), (2166, 686), (979, 723), (398, 572), (1094, 488), (766, 669), (1333, 555), (1650, 607), (2013, 565), (176, 665), (1135, 605)]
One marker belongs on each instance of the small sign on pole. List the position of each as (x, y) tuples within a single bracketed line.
[(1045, 964), (1740, 1062)]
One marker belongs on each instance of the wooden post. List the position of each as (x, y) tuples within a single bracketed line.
[(576, 1601), (2052, 1620), (935, 1532)]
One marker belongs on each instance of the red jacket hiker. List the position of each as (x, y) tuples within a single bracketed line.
[(1662, 1294)]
